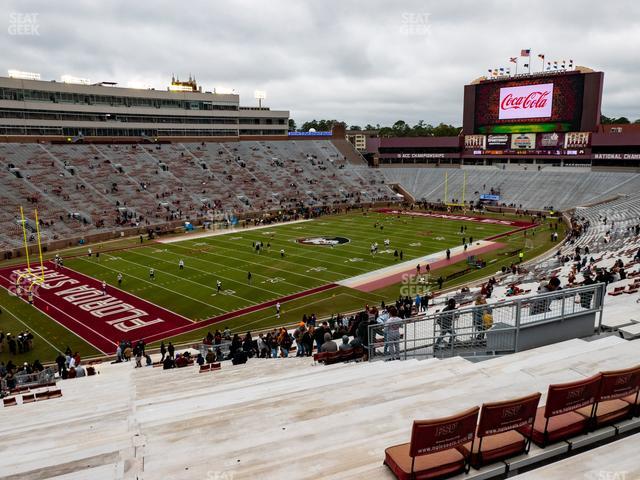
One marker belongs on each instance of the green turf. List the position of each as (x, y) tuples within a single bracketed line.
[(192, 292)]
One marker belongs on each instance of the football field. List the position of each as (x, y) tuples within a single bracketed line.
[(226, 281)]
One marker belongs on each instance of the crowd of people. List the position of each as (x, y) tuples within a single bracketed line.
[(18, 344)]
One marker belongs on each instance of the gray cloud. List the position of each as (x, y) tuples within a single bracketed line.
[(363, 62)]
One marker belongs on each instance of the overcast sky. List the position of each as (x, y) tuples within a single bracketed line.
[(361, 62)]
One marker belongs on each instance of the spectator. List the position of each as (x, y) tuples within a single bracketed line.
[(329, 346), (446, 321), (345, 344), (392, 337)]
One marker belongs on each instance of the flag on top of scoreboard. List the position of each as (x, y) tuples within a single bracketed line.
[(525, 53)]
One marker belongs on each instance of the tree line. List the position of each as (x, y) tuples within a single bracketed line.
[(420, 129), (398, 129)]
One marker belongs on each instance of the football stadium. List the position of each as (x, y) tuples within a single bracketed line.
[(193, 286)]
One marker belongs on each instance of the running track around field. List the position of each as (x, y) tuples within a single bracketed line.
[(76, 302), (368, 282)]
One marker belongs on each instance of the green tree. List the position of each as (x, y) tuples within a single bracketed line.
[(355, 128), (292, 125)]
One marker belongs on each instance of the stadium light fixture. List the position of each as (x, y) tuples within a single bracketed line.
[(24, 75), (260, 95)]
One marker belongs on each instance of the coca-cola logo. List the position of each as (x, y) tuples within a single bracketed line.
[(527, 101), (533, 100)]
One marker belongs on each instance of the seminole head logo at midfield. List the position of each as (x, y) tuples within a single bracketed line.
[(323, 241)]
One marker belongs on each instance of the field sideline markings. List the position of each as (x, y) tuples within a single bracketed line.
[(36, 332), (128, 292), (204, 272), (450, 231), (156, 284), (244, 261), (244, 325), (295, 248), (427, 242)]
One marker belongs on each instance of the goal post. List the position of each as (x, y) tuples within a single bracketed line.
[(34, 275)]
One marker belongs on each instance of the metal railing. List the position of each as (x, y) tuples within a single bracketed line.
[(30, 379), (483, 330)]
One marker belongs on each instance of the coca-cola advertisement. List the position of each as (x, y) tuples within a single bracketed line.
[(528, 101), (546, 103)]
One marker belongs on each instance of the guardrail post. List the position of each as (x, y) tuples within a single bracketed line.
[(518, 317)]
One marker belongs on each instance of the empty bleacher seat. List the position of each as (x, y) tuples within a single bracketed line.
[(435, 447), (610, 405), (28, 398), (504, 430), (558, 419)]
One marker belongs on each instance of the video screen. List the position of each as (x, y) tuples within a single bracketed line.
[(542, 104)]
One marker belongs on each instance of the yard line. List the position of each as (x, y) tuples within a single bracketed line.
[(153, 283), (31, 329), (340, 276), (207, 273), (291, 245), (306, 305)]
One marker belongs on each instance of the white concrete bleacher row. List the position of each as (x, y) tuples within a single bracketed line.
[(156, 183), (276, 418), (562, 188), (615, 461)]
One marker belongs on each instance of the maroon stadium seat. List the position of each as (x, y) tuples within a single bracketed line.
[(54, 393), (610, 404), (216, 366), (42, 395), (9, 401), (558, 419), (434, 449), (28, 398), (504, 430), (205, 368), (320, 356)]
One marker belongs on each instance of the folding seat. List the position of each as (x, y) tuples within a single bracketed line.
[(205, 368), (54, 393), (611, 398), (9, 401), (435, 448), (28, 398), (320, 356), (504, 430), (42, 395), (216, 366), (333, 357), (558, 419)]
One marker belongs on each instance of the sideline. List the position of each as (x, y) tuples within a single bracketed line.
[(196, 235)]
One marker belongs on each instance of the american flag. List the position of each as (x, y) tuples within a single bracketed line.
[(525, 53)]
